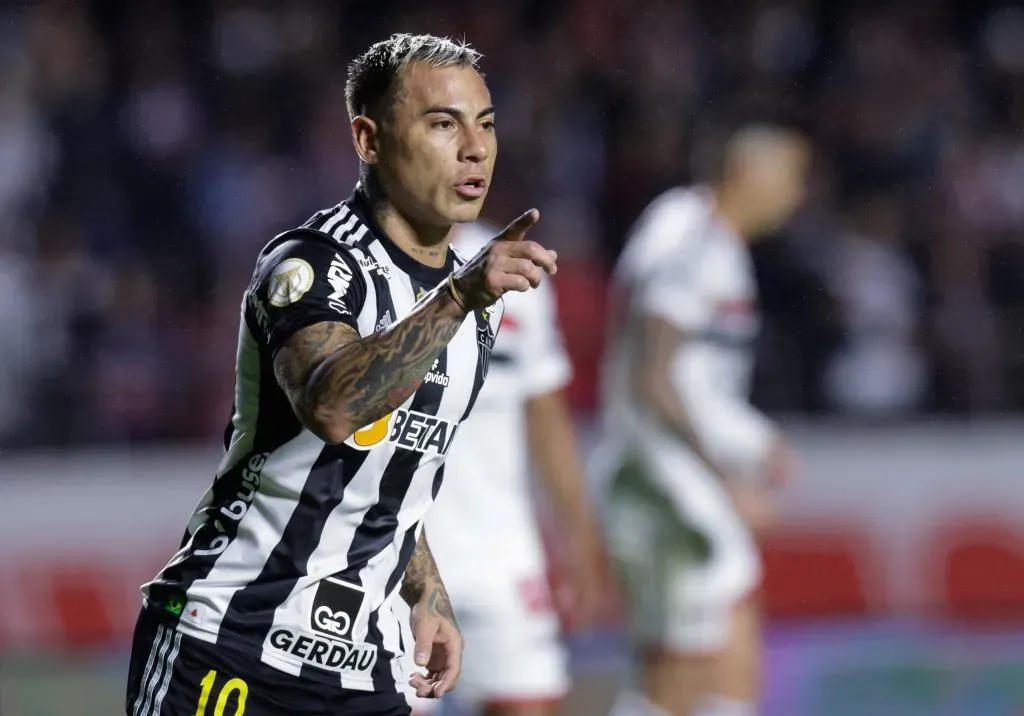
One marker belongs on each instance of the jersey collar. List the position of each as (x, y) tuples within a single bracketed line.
[(427, 275)]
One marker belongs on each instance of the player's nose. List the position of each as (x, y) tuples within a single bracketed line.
[(474, 145)]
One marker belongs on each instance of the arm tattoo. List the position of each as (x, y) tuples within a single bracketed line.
[(341, 382), (422, 580)]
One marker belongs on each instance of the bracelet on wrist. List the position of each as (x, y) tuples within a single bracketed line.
[(456, 294)]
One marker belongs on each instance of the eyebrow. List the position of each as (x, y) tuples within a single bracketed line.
[(457, 113)]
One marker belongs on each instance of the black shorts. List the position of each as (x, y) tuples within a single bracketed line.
[(171, 674)]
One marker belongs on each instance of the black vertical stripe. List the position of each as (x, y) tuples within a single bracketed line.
[(276, 425), (438, 479), (251, 611), (229, 429), (383, 679)]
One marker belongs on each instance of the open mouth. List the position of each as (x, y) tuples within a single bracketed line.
[(471, 188)]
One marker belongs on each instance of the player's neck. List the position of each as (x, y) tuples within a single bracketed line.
[(730, 209), (426, 244)]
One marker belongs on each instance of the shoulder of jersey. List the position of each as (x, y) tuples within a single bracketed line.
[(679, 204), (667, 223), (306, 233)]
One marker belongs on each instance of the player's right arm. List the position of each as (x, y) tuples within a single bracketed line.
[(678, 382), (338, 381), (661, 342)]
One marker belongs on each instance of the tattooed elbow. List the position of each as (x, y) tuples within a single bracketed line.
[(331, 433), (328, 427)]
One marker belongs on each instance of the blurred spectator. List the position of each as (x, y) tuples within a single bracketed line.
[(879, 371)]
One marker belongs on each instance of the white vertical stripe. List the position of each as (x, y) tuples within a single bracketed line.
[(144, 682), (357, 234), (282, 479), (347, 226), (342, 214), (166, 638), (168, 674)]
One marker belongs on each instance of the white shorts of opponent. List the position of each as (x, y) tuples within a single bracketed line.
[(513, 647), (684, 556)]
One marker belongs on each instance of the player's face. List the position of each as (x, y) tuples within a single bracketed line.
[(438, 145), (778, 180)]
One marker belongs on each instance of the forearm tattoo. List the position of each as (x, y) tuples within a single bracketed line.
[(365, 381), (346, 381), (423, 580)]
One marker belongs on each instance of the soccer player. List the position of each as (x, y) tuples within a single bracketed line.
[(364, 343), (483, 533), (688, 462)]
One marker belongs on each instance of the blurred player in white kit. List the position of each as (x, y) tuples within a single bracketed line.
[(482, 527), (687, 463)]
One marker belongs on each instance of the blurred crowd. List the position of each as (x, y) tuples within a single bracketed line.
[(149, 149)]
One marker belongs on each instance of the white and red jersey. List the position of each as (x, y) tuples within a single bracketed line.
[(683, 263), (482, 528)]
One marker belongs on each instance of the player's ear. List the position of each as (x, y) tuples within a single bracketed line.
[(366, 137)]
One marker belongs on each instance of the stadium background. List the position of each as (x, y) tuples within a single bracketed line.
[(149, 149)]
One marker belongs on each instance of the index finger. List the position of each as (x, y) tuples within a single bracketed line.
[(545, 258), (518, 228)]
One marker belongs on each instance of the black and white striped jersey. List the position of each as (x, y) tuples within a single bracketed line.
[(298, 548)]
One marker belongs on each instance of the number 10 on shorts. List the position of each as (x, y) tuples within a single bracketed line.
[(233, 686)]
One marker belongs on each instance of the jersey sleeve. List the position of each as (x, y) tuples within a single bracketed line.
[(546, 364), (673, 292), (303, 281)]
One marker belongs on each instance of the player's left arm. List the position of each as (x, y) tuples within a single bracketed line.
[(553, 448), (438, 640)]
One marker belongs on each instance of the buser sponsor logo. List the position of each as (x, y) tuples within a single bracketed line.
[(408, 429), (237, 508), (325, 653), (339, 276)]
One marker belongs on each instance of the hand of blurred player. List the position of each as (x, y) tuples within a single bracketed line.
[(754, 503), (438, 648), (508, 263), (782, 465)]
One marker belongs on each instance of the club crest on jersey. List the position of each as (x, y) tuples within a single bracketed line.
[(289, 283), (407, 429)]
